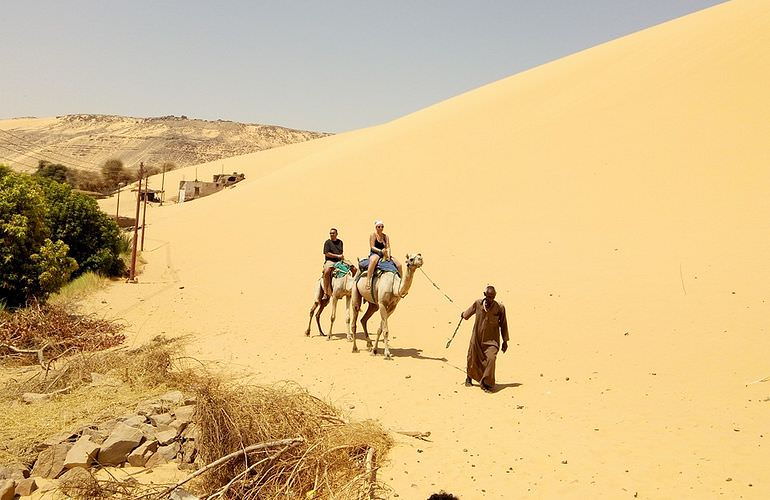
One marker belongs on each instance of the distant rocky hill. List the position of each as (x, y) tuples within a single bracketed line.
[(86, 141)]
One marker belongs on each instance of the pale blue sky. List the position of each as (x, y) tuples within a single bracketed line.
[(321, 65)]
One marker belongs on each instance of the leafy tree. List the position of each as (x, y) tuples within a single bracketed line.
[(31, 265), (55, 171), (114, 173), (92, 236)]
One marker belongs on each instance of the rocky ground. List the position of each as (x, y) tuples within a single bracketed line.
[(86, 141)]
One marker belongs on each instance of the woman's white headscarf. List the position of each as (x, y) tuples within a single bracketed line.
[(378, 222)]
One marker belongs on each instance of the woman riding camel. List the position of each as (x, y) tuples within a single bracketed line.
[(379, 248)]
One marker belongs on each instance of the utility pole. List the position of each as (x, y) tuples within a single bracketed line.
[(117, 210), (144, 211), (162, 185), (132, 271)]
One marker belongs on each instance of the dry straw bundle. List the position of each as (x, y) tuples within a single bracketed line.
[(313, 451)]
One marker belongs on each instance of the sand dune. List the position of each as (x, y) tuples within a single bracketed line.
[(619, 200)]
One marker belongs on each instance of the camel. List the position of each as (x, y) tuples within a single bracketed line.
[(384, 296), (341, 287)]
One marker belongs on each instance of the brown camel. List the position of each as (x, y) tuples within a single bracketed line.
[(383, 296)]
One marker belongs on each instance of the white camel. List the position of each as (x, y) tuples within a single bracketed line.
[(384, 296), (341, 287)]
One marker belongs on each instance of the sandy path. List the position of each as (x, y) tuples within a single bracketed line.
[(618, 199)]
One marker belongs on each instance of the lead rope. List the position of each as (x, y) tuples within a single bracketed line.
[(437, 287)]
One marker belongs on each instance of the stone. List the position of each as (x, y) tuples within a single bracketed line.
[(139, 457), (7, 489), (161, 419), (82, 454), (165, 437), (17, 472), (107, 426), (174, 397), (190, 432), (99, 380), (135, 420), (178, 425), (182, 494), (148, 430), (185, 413), (95, 435), (50, 462), (163, 455), (121, 442), (188, 452), (55, 439), (34, 397), (150, 407), (26, 487)]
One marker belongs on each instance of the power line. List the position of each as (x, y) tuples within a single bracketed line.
[(70, 160), (10, 161)]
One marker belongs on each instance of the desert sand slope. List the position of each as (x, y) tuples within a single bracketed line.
[(619, 200)]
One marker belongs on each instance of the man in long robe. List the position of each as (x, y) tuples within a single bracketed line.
[(490, 324)]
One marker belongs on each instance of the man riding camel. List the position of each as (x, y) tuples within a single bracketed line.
[(333, 248)]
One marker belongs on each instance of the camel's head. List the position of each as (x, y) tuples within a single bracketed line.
[(413, 261)]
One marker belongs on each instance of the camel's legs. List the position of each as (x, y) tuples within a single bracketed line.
[(310, 321), (368, 314), (334, 316), (347, 316), (322, 305), (377, 340), (354, 318), (385, 313)]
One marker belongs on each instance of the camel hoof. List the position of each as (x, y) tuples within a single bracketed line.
[(350, 338), (355, 349), (374, 352), (307, 333), (388, 357)]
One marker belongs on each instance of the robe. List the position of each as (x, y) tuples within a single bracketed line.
[(485, 340)]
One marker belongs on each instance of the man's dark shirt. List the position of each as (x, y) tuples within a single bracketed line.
[(334, 247)]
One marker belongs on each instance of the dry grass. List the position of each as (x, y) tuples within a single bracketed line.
[(78, 288), (53, 329), (145, 372), (328, 463)]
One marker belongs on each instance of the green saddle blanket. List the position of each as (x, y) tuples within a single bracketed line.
[(340, 269)]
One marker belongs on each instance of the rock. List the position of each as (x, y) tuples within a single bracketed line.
[(107, 426), (34, 397), (82, 454), (174, 397), (150, 407), (50, 462), (25, 487), (178, 425), (148, 430), (17, 472), (135, 420), (188, 452), (182, 494), (7, 489), (185, 413), (56, 439), (190, 432), (119, 444), (161, 419), (95, 435), (139, 457), (167, 436), (99, 380), (163, 455), (78, 475)]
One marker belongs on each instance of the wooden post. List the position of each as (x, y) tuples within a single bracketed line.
[(371, 472), (132, 271), (144, 211), (163, 185), (117, 210)]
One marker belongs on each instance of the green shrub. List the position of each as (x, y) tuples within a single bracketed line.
[(49, 233)]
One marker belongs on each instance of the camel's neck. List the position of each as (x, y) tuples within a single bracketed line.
[(405, 284)]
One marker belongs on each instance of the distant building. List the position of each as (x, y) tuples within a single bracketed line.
[(190, 190), (153, 195)]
